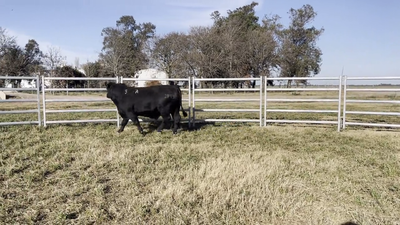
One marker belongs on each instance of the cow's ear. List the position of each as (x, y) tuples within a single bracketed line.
[(108, 85)]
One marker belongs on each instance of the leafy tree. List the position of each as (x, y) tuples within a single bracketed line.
[(68, 71), (260, 55), (234, 46), (12, 62), (167, 52), (237, 45), (235, 30), (21, 62), (123, 46), (17, 61), (32, 56), (205, 53), (94, 69), (299, 54)]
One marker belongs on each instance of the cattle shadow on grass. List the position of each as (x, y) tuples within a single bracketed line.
[(148, 126), (349, 223), (151, 126)]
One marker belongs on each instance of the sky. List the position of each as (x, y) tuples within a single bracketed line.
[(361, 37)]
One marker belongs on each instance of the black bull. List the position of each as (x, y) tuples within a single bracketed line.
[(151, 102)]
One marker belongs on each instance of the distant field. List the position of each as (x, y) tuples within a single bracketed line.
[(232, 105)]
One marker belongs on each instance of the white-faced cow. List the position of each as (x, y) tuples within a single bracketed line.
[(151, 102)]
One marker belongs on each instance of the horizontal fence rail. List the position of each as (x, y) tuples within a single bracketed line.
[(199, 89), (197, 94), (35, 90), (337, 100), (55, 100), (346, 101)]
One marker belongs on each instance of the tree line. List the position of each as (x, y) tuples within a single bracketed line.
[(236, 45)]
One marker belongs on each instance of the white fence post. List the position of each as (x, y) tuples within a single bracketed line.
[(339, 103), (118, 80), (261, 101), (265, 100), (193, 102), (38, 83), (344, 101), (190, 101), (44, 101)]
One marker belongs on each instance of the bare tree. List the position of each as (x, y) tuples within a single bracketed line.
[(234, 31), (169, 53), (94, 69), (6, 41), (113, 55), (76, 62), (53, 59), (261, 52), (207, 52)]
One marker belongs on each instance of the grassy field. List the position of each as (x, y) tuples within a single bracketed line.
[(223, 173), (227, 174)]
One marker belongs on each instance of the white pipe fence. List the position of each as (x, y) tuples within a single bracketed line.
[(259, 100), (54, 100), (37, 100), (194, 99), (346, 101), (337, 100)]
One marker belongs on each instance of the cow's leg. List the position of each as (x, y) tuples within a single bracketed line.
[(165, 118), (177, 120), (136, 121), (123, 124)]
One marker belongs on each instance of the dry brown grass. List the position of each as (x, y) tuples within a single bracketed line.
[(216, 175), (225, 173)]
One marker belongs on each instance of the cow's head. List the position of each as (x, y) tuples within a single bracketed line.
[(115, 91)]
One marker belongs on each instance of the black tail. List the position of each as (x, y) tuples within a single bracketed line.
[(180, 97), (183, 111)]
